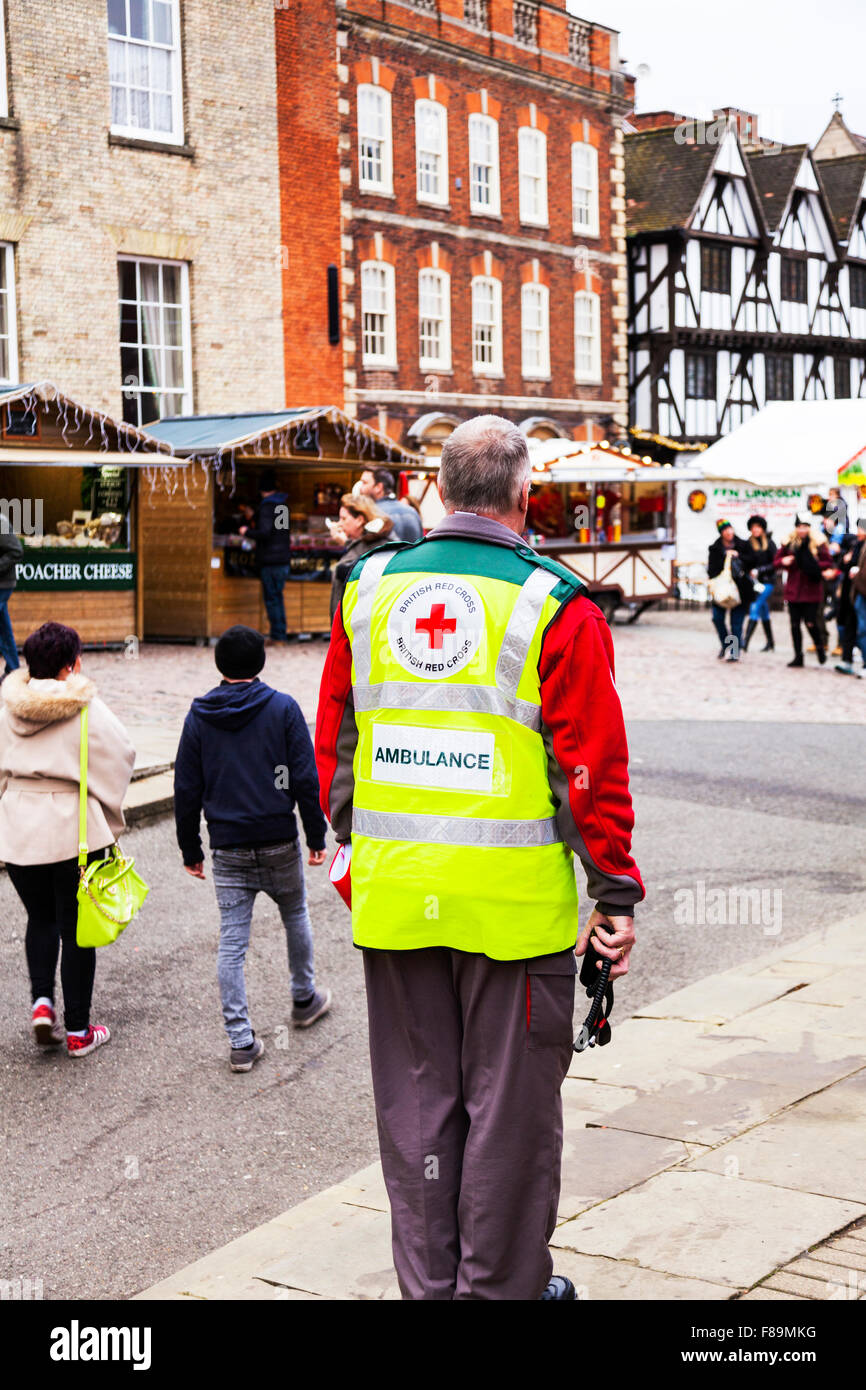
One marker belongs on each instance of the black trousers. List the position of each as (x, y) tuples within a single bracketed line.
[(49, 895), (804, 613)]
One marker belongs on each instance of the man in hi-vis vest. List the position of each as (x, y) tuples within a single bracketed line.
[(470, 742)]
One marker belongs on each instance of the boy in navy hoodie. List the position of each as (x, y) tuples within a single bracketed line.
[(246, 759)]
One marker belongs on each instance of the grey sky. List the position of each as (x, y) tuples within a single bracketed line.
[(784, 59)]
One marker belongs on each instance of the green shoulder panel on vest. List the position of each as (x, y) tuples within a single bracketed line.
[(453, 555)]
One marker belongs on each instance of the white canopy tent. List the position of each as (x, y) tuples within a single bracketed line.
[(769, 467)]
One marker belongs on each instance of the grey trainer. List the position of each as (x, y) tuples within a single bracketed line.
[(318, 1005), (242, 1058)]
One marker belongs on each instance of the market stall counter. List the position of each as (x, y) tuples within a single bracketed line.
[(202, 572), (69, 478)]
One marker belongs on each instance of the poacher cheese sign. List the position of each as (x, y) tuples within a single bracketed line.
[(455, 759), (435, 627)]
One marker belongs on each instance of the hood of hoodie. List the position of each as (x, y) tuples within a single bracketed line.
[(276, 499), (31, 705), (233, 706)]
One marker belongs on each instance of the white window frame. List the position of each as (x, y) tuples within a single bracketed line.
[(7, 251), (478, 123), (386, 183), (176, 135), (4, 86), (494, 366), (581, 150), (430, 115), (592, 373), (538, 331), (186, 331), (442, 362), (388, 356), (532, 145)]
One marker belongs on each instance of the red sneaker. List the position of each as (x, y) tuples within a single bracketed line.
[(96, 1035), (47, 1032)]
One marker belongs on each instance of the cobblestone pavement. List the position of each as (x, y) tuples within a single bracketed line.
[(666, 669)]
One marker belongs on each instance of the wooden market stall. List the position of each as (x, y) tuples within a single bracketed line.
[(69, 488), (200, 573), (609, 515)]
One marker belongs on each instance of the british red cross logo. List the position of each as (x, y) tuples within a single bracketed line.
[(436, 625)]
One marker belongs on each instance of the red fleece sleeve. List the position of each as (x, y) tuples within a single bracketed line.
[(583, 729), (336, 733)]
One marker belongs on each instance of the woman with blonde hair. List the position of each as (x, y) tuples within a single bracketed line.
[(363, 527), (805, 561)]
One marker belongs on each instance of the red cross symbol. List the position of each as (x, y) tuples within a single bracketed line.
[(436, 625)]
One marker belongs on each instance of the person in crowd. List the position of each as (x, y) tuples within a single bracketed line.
[(363, 527), (243, 515), (837, 508), (11, 551), (727, 543), (851, 562), (40, 748), (763, 553), (273, 551), (378, 484), (245, 759), (806, 562), (462, 839)]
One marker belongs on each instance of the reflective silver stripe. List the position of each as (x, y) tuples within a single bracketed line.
[(444, 698), (368, 582), (521, 630), (455, 830)]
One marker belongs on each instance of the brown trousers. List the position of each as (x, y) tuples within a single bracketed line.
[(469, 1055)]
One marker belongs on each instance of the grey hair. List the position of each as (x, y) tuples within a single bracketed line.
[(484, 466)]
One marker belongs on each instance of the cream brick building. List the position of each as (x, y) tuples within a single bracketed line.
[(142, 132)]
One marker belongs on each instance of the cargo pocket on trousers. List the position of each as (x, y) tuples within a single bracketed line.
[(550, 1000)]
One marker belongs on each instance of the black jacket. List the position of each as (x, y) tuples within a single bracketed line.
[(760, 562), (11, 551), (739, 569), (347, 562), (246, 759), (271, 531)]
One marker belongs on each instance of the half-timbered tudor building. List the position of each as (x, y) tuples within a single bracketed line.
[(742, 286)]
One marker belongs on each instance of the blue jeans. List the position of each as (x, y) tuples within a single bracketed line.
[(238, 875), (8, 649), (760, 609), (273, 579), (860, 611), (737, 617)]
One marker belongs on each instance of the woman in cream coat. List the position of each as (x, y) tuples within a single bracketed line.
[(40, 743)]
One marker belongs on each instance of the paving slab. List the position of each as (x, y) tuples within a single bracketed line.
[(816, 1146), (598, 1163), (597, 1279), (345, 1253), (715, 1229), (837, 989), (799, 971), (811, 1267), (719, 998), (704, 1108), (645, 1053), (228, 1273), (811, 1060), (789, 1015), (784, 1282), (764, 1295)]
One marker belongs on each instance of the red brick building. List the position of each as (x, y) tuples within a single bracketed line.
[(481, 237)]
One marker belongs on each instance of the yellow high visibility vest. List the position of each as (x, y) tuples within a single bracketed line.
[(454, 833)]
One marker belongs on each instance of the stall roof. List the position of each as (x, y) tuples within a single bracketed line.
[(208, 435), (571, 460), (790, 444), (136, 448)]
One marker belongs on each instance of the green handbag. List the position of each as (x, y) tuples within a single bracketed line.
[(110, 892)]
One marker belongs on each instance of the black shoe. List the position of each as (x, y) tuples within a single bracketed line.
[(770, 645), (734, 656), (559, 1290), (798, 660), (722, 654), (750, 628), (243, 1058), (822, 655)]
